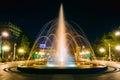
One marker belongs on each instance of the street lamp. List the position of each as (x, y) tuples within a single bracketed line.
[(102, 50), (3, 34), (5, 48), (21, 50), (117, 33), (117, 47)]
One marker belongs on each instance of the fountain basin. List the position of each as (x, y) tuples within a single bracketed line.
[(67, 50), (62, 70)]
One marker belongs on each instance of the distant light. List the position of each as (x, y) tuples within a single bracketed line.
[(5, 34), (82, 53), (41, 53), (102, 50), (87, 51), (21, 50), (42, 45), (6, 48), (117, 47), (117, 33)]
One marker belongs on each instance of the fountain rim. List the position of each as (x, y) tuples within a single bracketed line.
[(63, 70)]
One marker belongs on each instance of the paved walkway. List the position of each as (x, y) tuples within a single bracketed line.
[(23, 76)]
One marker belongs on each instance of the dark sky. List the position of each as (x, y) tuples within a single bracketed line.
[(94, 16)]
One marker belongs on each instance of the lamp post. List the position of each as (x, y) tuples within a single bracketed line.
[(118, 49), (117, 33), (21, 51), (14, 51), (5, 48), (102, 50), (3, 34), (109, 49)]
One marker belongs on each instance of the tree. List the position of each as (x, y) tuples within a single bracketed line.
[(25, 44), (107, 40)]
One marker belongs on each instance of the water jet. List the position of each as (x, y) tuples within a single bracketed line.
[(60, 48)]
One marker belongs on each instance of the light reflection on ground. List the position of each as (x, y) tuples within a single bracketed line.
[(113, 74)]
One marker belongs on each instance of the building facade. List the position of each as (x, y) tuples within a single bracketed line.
[(12, 39)]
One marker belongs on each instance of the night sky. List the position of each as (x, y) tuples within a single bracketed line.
[(95, 17)]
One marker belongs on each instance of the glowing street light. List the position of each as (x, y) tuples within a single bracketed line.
[(5, 34), (21, 50), (6, 48), (102, 50), (117, 33), (117, 47)]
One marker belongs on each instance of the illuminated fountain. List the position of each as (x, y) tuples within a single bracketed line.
[(61, 48), (61, 45)]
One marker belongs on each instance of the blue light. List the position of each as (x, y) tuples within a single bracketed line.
[(42, 45)]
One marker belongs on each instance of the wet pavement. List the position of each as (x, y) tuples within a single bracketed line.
[(6, 74)]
